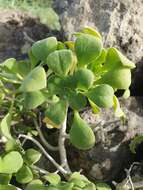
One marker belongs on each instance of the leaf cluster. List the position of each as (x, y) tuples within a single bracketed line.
[(80, 73)]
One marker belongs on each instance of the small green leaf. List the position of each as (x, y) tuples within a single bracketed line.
[(32, 156), (94, 107), (117, 109), (35, 80), (11, 162), (10, 78), (83, 78), (90, 186), (77, 175), (33, 60), (61, 45), (5, 179), (54, 84), (24, 175), (53, 178), (77, 101), (117, 59), (88, 48), (91, 31), (126, 94), (55, 114), (7, 187), (121, 78), (5, 126), (79, 180), (16, 67), (8, 64), (102, 186), (42, 48), (35, 185), (60, 61), (11, 145), (34, 99), (81, 129), (135, 142), (70, 45), (101, 95), (66, 186)]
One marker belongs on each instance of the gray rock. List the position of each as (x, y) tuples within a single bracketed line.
[(119, 21), (111, 154)]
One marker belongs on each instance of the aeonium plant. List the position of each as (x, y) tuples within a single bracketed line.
[(56, 77)]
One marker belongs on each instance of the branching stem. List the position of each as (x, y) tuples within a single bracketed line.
[(62, 149), (48, 156), (44, 141)]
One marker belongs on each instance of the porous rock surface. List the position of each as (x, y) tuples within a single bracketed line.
[(120, 22), (111, 154)]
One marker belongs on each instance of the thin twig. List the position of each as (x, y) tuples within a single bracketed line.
[(48, 156), (62, 149), (18, 188), (44, 141), (28, 38), (128, 184), (41, 170)]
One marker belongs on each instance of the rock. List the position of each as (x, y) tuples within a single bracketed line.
[(119, 22), (111, 154), (18, 30)]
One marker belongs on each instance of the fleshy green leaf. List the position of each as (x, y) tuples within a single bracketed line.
[(77, 101), (33, 59), (90, 186), (11, 145), (53, 178), (32, 156), (7, 187), (83, 78), (66, 186), (55, 114), (94, 107), (24, 175), (35, 185), (118, 78), (101, 95), (88, 48), (117, 109), (91, 31), (5, 126), (103, 186), (35, 80), (126, 94), (34, 99), (21, 68), (81, 129), (78, 180), (11, 162), (117, 59), (54, 84), (42, 48), (61, 45), (60, 61), (5, 179), (135, 142)]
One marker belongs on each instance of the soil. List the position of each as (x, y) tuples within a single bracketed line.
[(17, 31)]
